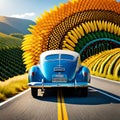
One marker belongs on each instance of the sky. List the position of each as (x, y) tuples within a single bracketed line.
[(27, 9)]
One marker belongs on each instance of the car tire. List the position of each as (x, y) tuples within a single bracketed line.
[(34, 92), (83, 92)]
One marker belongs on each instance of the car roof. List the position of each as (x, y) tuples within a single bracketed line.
[(50, 52)]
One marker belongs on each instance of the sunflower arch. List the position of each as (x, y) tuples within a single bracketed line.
[(76, 25)]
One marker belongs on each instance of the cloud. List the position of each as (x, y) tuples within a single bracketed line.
[(25, 15)]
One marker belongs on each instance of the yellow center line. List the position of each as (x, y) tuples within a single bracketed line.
[(62, 112)]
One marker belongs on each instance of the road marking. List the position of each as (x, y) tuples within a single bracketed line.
[(14, 97), (106, 94), (106, 79), (62, 112)]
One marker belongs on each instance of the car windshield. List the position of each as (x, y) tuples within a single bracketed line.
[(62, 56), (52, 57), (67, 57)]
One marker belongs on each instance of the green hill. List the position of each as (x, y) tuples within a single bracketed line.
[(8, 41), (11, 62)]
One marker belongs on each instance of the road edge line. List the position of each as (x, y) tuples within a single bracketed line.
[(105, 79), (106, 94), (14, 97)]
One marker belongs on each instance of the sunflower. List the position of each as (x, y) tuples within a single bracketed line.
[(74, 25)]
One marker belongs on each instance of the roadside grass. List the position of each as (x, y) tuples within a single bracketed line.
[(13, 86)]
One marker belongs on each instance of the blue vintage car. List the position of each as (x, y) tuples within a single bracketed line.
[(59, 68)]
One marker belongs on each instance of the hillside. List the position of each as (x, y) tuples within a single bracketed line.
[(11, 63), (5, 28), (8, 41), (14, 25)]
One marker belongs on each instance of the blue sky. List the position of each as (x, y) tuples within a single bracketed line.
[(27, 9)]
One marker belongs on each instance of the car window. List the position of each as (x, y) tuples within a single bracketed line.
[(52, 57), (66, 56)]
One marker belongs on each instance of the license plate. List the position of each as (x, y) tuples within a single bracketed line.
[(59, 78), (59, 69)]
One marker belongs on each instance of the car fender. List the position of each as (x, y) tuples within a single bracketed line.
[(35, 74), (83, 74)]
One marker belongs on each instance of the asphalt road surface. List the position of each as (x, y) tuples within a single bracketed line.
[(102, 103)]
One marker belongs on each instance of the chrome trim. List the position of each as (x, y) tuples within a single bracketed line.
[(59, 69)]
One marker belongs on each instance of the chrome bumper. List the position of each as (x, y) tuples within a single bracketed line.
[(57, 84)]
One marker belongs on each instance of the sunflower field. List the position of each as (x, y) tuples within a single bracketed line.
[(105, 64), (88, 27), (11, 62)]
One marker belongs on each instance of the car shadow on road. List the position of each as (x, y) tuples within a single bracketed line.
[(70, 97)]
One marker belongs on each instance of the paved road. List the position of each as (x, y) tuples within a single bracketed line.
[(106, 84), (97, 106)]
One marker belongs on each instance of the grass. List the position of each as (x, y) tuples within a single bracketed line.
[(13, 86), (8, 41)]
